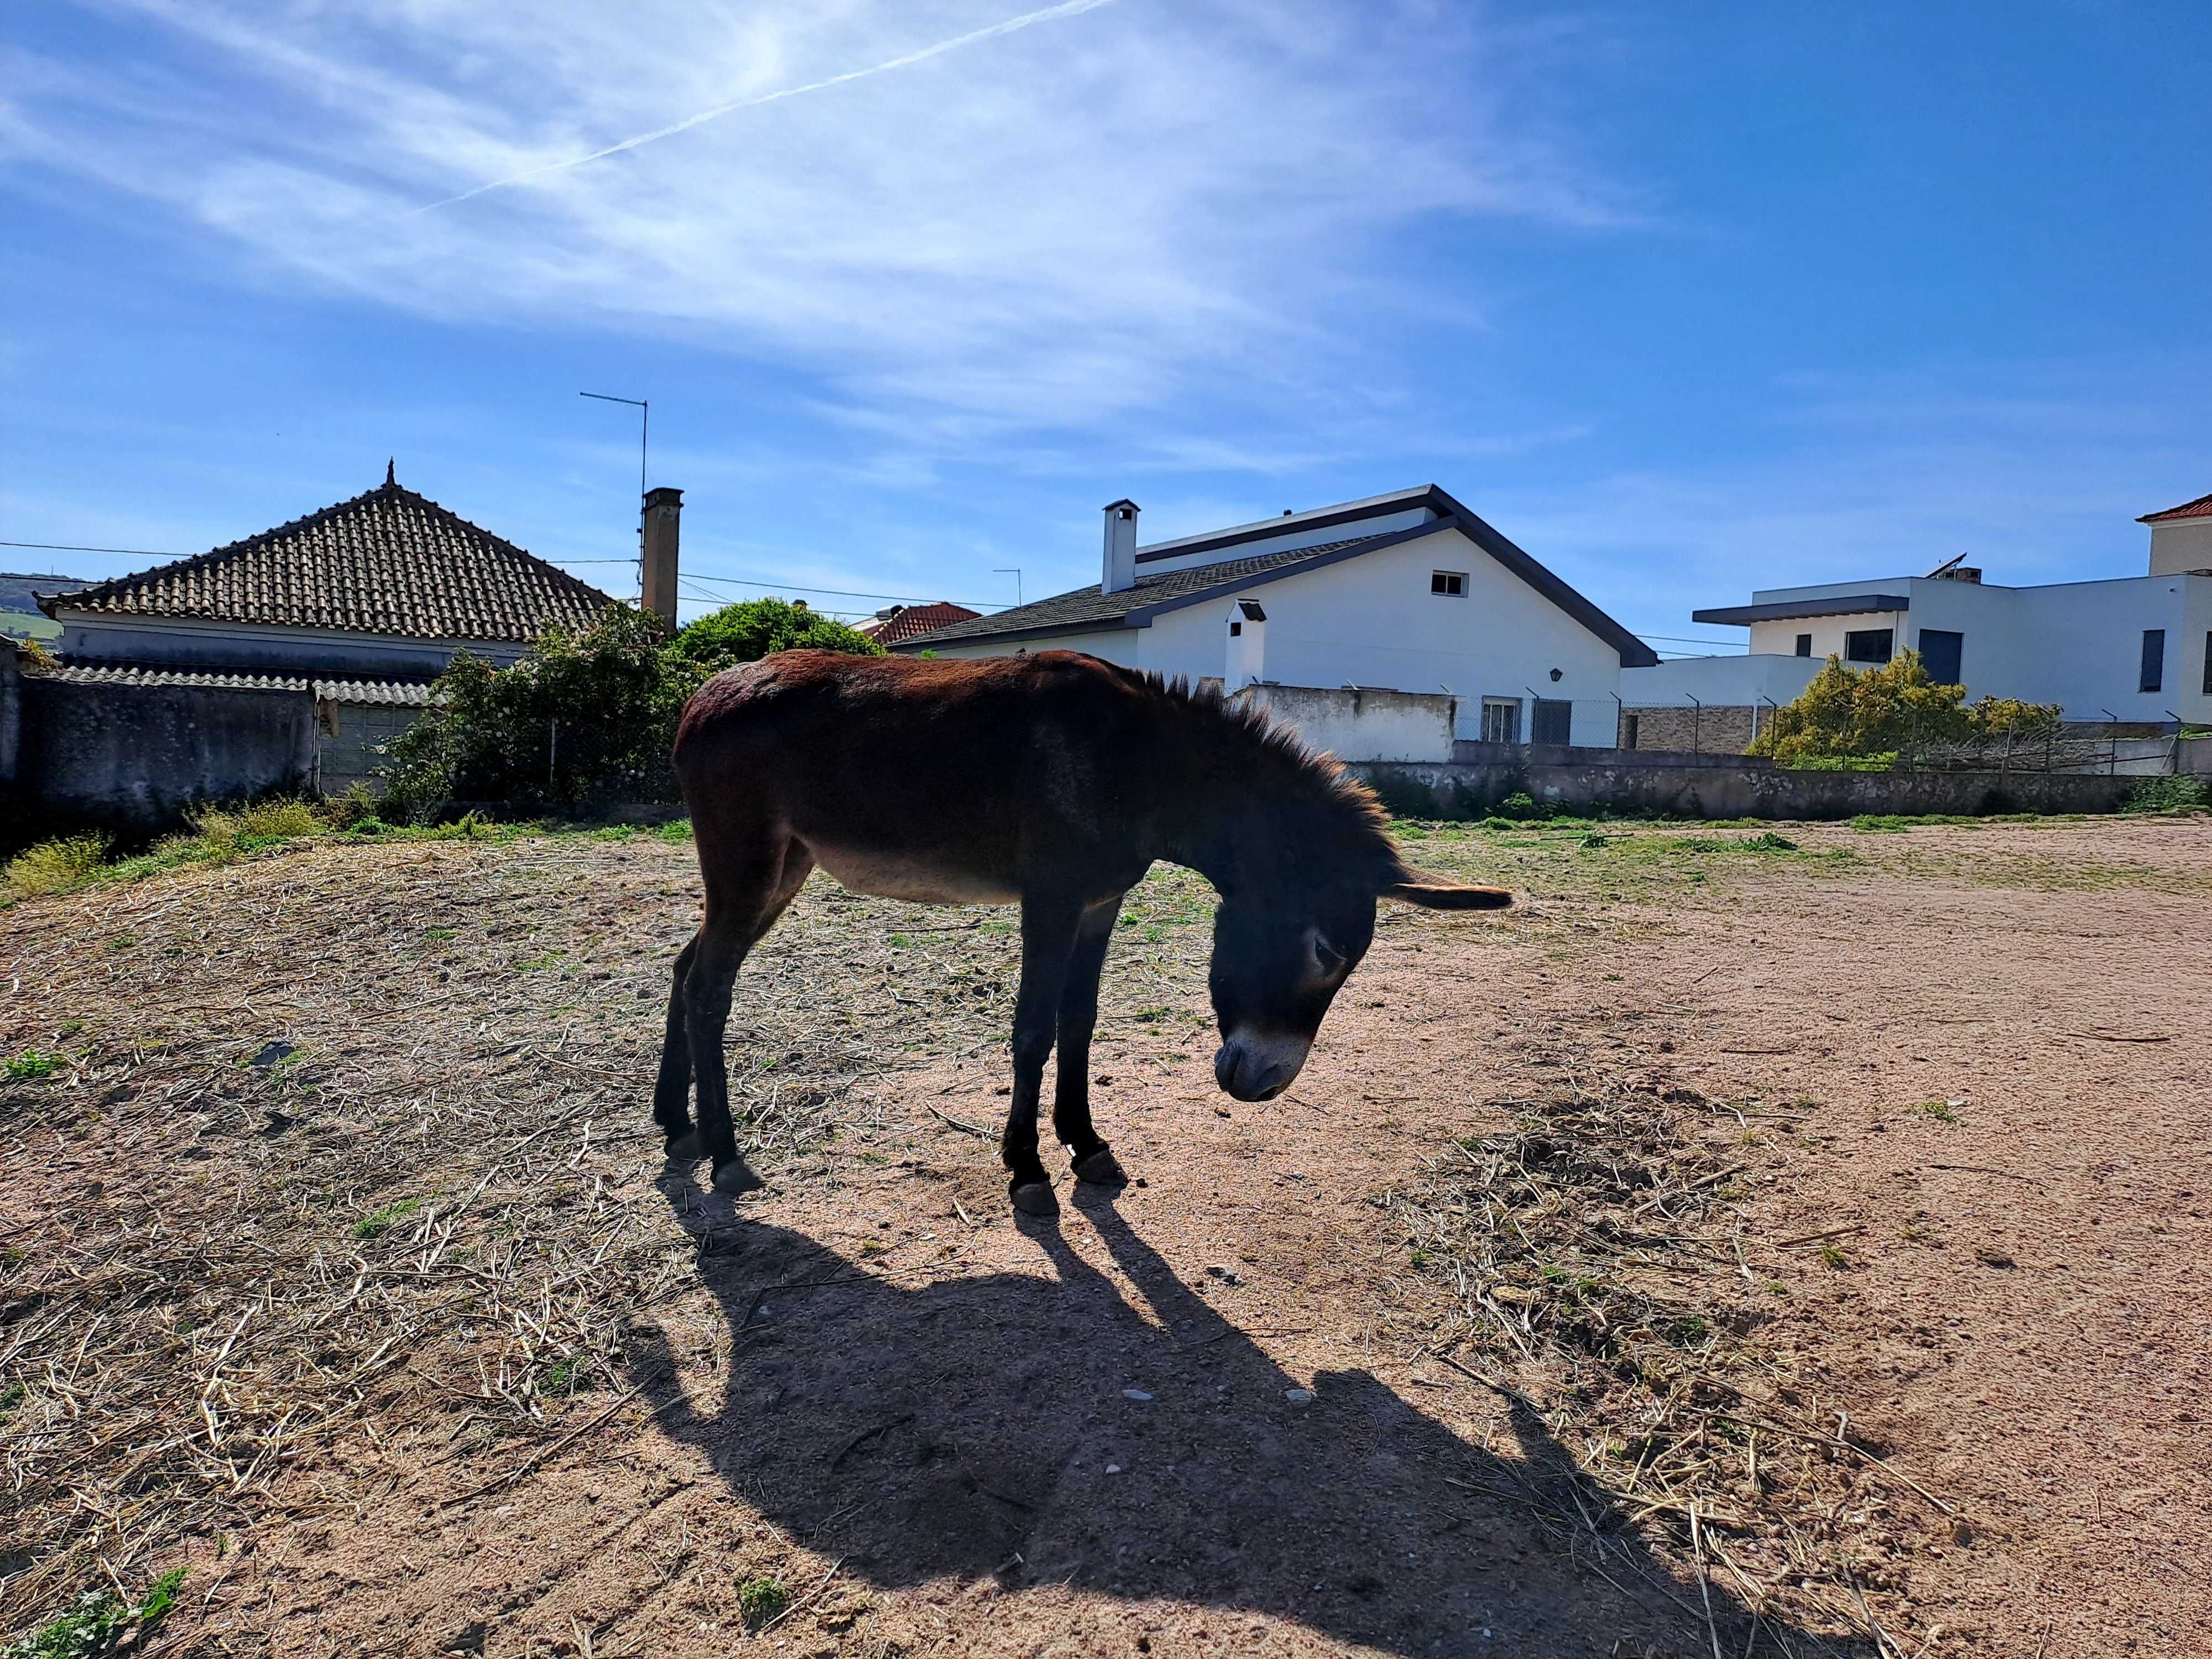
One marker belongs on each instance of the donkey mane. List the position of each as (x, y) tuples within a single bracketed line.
[(1306, 776)]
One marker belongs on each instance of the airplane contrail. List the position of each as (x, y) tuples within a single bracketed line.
[(1049, 14)]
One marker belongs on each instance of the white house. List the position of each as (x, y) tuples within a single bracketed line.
[(2131, 648), (1404, 593)]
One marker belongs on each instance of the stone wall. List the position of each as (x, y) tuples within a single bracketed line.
[(1733, 792), (1717, 729), (130, 759)]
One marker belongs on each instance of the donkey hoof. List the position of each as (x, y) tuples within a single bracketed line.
[(1034, 1197), (685, 1147), (1099, 1168), (734, 1177)]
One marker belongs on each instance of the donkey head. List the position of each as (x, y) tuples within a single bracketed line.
[(1285, 943)]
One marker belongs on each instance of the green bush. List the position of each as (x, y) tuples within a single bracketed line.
[(759, 627), (2168, 794), (1879, 711), (586, 716)]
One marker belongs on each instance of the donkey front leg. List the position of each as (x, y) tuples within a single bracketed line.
[(671, 1095), (1079, 1019), (1048, 931)]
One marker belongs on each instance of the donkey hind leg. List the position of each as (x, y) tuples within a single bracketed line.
[(1078, 1017), (672, 1094), (1048, 931), (743, 901)]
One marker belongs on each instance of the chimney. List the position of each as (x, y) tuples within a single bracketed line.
[(1248, 646), (1121, 570), (664, 507)]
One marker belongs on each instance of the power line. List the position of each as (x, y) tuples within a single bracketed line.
[(839, 593)]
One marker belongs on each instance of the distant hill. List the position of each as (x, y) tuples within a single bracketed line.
[(19, 616)]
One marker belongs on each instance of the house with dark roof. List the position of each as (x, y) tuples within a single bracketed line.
[(2135, 650), (284, 661), (1408, 593), (385, 587)]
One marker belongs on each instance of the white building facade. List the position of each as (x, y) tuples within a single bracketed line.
[(1405, 593), (2136, 649)]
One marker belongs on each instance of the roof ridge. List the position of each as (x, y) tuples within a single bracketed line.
[(2201, 507)]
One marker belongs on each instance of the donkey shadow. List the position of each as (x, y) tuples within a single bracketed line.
[(968, 1429)]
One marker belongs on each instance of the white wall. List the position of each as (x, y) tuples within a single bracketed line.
[(1402, 727), (1719, 682), (2076, 644), (1371, 621), (2183, 545), (1779, 638), (1115, 645)]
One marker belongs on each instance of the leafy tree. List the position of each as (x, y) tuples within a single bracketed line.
[(1892, 709), (588, 715), (747, 632)]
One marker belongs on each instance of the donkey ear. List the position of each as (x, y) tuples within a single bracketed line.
[(1440, 893)]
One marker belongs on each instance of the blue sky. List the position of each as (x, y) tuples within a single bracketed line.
[(1684, 298)]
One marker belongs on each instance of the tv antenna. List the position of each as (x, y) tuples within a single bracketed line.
[(644, 431)]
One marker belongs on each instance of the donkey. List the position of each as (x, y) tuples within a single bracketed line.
[(1053, 781)]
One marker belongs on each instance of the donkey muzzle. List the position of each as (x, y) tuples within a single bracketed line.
[(1251, 1065)]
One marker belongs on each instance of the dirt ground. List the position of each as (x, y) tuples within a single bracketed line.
[(341, 1268)]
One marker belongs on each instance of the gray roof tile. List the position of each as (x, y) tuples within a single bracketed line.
[(1089, 605)]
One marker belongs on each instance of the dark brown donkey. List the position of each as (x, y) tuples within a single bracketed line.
[(1052, 782)]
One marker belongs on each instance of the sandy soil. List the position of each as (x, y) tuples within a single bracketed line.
[(1969, 1057)]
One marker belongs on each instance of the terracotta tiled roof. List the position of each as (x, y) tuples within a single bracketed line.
[(405, 694), (2199, 508), (908, 620), (390, 561)]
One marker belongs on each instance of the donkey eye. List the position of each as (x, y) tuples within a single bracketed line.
[(1326, 958)]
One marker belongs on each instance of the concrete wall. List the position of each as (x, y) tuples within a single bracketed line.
[(1114, 645), (1739, 792), (2185, 544), (328, 653), (130, 759), (1362, 726), (349, 736)]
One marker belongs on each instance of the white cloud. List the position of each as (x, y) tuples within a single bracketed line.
[(1112, 211)]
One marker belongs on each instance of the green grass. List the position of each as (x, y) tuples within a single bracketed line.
[(380, 1221), (1940, 1110), (100, 1621), (761, 1599), (55, 866), (31, 1065)]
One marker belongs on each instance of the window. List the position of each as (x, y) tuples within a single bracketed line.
[(1554, 722), (2208, 665), (1628, 731), (1804, 645), (1236, 628), (1870, 645), (2153, 661), (1452, 584), (1940, 652), (1501, 720)]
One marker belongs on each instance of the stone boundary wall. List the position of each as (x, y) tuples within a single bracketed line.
[(131, 759), (1738, 791)]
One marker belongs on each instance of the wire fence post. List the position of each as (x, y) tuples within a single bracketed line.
[(1697, 726)]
